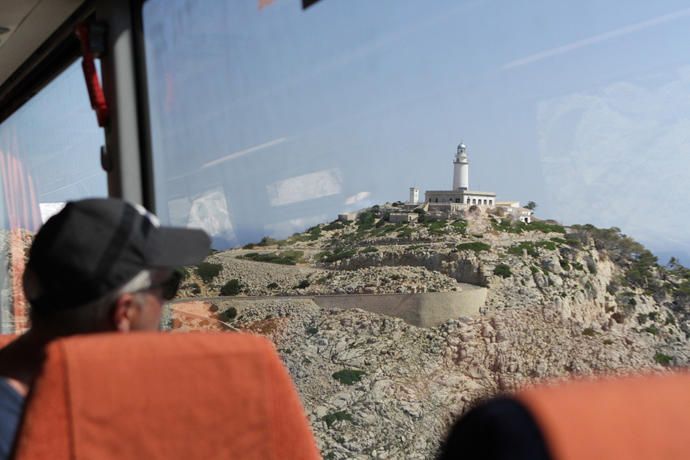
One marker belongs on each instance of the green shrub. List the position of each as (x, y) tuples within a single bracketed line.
[(266, 241), (651, 329), (207, 271), (406, 232), (550, 245), (608, 342), (476, 246), (311, 330), (436, 228), (365, 220), (663, 359), (503, 271), (508, 226), (314, 233), (338, 254), (369, 249), (545, 227), (565, 265), (339, 416), (459, 226), (232, 287), (303, 284), (589, 332), (522, 247), (282, 258), (228, 315), (272, 285), (670, 319), (184, 273), (349, 376), (335, 225)]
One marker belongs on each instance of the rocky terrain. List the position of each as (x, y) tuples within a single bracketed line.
[(561, 302)]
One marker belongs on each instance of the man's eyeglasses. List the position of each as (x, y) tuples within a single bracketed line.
[(169, 285)]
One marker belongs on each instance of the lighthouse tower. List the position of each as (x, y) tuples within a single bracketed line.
[(461, 169)]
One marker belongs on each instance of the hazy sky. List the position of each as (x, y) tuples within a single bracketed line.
[(267, 121)]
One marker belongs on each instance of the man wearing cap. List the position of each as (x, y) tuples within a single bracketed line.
[(99, 265)]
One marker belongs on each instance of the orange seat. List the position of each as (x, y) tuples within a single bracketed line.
[(164, 396), (5, 339), (632, 418)]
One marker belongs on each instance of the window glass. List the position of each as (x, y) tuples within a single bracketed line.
[(49, 153), (521, 161)]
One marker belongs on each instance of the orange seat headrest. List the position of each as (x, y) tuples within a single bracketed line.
[(164, 396), (642, 417)]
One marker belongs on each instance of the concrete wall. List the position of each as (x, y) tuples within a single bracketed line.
[(424, 309)]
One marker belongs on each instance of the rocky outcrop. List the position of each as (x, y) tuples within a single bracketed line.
[(560, 303)]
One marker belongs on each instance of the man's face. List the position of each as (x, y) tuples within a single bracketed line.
[(148, 316)]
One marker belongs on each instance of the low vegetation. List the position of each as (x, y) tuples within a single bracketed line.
[(337, 254), (503, 271), (349, 376), (232, 287), (207, 271), (228, 315), (339, 416), (476, 246), (664, 360), (282, 258)]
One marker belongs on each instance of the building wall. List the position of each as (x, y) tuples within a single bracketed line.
[(460, 197), (423, 310)]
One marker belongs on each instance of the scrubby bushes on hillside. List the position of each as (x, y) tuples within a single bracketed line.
[(545, 227), (207, 271), (232, 287), (282, 258), (228, 315), (337, 254), (503, 271), (349, 376), (531, 247), (366, 220), (508, 226), (475, 246)]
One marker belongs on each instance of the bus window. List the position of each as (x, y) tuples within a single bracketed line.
[(49, 153), (411, 163)]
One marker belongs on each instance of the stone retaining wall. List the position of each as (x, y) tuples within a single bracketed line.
[(423, 309)]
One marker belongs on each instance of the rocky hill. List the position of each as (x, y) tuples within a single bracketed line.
[(561, 302)]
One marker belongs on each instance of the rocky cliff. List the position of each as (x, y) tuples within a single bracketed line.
[(561, 302)]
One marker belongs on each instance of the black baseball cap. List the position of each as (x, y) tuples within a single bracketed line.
[(94, 246)]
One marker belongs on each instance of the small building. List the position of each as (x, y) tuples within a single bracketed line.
[(466, 197), (403, 217), (347, 217)]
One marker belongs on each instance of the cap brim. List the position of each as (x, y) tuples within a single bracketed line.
[(180, 246)]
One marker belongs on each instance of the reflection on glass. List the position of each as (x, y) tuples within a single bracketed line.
[(49, 153), (384, 171), (295, 113)]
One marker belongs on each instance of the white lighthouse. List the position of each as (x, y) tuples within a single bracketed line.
[(461, 169)]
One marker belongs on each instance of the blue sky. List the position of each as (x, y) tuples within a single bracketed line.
[(579, 106)]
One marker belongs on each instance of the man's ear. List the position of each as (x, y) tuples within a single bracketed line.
[(124, 312)]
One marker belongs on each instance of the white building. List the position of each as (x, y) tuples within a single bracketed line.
[(414, 195), (460, 193)]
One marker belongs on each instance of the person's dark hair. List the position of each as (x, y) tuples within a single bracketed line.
[(95, 316), (497, 429)]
